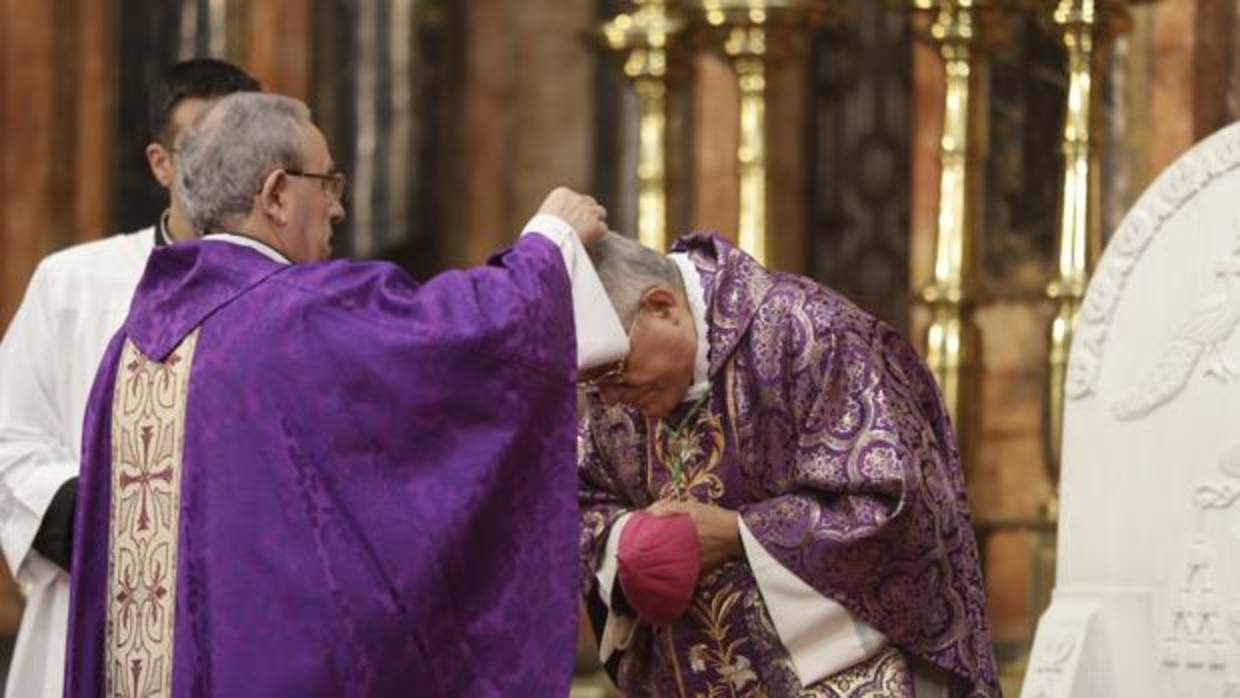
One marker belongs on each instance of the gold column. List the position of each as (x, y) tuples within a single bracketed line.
[(952, 346), (751, 30), (642, 37), (747, 48), (1085, 26)]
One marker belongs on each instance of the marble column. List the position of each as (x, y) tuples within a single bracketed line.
[(766, 45), (27, 107), (488, 81), (528, 130), (56, 114), (1188, 78), (279, 51), (715, 175)]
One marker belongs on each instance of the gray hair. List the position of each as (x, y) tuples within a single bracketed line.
[(224, 155), (628, 269)]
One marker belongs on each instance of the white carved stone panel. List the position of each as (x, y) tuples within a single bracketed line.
[(1149, 535)]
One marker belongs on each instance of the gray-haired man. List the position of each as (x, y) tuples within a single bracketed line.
[(807, 444), (308, 478)]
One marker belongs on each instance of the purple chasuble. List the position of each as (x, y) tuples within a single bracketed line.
[(824, 429), (372, 485)]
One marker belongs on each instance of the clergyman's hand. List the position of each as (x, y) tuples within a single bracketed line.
[(582, 212), (718, 529)]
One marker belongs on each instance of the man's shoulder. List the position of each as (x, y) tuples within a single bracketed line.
[(332, 278), (796, 301), (333, 303), (345, 285)]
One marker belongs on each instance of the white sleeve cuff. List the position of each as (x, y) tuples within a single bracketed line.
[(618, 630), (552, 227), (600, 337), (22, 506), (822, 638)]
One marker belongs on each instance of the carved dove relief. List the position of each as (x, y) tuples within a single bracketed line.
[(1199, 341)]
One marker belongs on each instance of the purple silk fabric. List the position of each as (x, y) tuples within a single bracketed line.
[(826, 432), (378, 491)]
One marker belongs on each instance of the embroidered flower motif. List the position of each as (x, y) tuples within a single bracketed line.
[(697, 658), (738, 673)]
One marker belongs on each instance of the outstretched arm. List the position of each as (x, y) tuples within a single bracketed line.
[(570, 219)]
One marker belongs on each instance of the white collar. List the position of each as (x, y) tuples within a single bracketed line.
[(261, 247), (696, 295), (162, 236)]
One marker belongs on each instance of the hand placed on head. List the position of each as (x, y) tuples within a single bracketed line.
[(582, 212)]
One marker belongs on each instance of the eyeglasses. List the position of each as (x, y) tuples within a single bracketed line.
[(333, 183), (603, 377)]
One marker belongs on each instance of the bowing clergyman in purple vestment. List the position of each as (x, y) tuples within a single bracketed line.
[(311, 478), (807, 445)]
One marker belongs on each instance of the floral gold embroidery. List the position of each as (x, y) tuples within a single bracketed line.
[(721, 657), (692, 455), (884, 675)]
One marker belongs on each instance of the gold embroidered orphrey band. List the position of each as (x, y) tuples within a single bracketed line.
[(148, 440)]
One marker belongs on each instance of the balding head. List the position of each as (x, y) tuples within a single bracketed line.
[(648, 294), (628, 269)]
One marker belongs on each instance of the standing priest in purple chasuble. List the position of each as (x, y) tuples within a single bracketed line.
[(324, 479), (807, 444)]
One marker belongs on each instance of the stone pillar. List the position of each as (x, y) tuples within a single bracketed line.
[(279, 48), (526, 130), (716, 126), (483, 195), (1188, 96), (27, 107), (94, 117), (55, 128), (761, 39)]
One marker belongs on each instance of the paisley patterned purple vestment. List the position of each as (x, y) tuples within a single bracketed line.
[(377, 490), (824, 429)]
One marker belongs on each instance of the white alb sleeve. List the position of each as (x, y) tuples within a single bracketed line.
[(619, 627), (34, 458), (600, 337), (821, 636)]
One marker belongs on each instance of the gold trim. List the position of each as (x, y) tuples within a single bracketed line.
[(1085, 28), (671, 650), (644, 38), (952, 342), (751, 230), (148, 441)]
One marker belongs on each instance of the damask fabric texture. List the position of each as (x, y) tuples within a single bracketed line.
[(377, 487), (826, 432)]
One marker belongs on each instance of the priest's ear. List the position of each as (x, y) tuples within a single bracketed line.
[(272, 198), (160, 161), (661, 301)]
